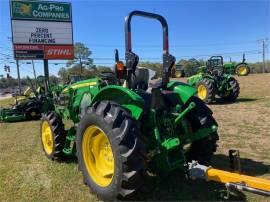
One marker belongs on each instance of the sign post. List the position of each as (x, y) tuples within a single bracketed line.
[(42, 30), (46, 74)]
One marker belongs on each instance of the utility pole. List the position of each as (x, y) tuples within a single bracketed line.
[(46, 73), (81, 64), (19, 77), (34, 71), (264, 44), (80, 57), (263, 55)]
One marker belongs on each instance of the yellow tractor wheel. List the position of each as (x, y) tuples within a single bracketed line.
[(205, 90), (202, 91), (242, 70), (110, 152), (52, 135), (98, 156)]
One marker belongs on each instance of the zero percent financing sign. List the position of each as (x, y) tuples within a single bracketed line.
[(41, 29), (41, 32)]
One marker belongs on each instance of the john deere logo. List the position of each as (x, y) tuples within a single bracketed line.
[(22, 8)]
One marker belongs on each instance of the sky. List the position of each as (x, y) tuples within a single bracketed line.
[(197, 29)]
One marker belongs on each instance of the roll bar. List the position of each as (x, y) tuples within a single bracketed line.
[(132, 59), (146, 15), (217, 56)]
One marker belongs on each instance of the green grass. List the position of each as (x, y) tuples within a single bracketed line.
[(27, 175)]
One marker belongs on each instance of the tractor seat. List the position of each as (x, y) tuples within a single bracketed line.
[(158, 98), (140, 79), (157, 83)]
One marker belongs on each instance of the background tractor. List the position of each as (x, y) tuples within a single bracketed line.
[(121, 131), (178, 71), (241, 69), (185, 68), (27, 107), (212, 80)]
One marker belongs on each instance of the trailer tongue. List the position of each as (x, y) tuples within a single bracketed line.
[(232, 180)]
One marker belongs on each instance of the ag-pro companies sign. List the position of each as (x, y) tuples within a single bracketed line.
[(41, 29), (40, 10)]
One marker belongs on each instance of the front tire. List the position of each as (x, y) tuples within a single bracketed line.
[(52, 136), (206, 90), (110, 151)]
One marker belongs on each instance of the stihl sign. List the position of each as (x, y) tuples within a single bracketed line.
[(58, 52)]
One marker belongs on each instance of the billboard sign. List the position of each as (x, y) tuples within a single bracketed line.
[(46, 27), (40, 10), (41, 32)]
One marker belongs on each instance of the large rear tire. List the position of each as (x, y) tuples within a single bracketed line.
[(234, 92), (242, 69), (110, 151), (52, 136), (206, 90), (201, 117)]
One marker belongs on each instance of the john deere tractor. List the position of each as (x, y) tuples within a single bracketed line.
[(120, 130), (27, 107), (241, 69), (212, 81), (178, 71)]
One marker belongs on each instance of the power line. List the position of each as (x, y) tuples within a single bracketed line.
[(250, 52), (174, 45)]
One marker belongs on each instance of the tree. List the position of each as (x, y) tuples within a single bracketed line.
[(82, 55), (155, 66), (53, 80), (63, 73), (190, 66), (81, 65)]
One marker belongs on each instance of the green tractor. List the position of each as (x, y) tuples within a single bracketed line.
[(241, 69), (27, 107), (212, 81), (178, 71), (120, 134)]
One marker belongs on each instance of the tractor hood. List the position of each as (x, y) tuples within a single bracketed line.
[(81, 84)]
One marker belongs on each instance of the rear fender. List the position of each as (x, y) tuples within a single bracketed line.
[(124, 97), (184, 90)]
